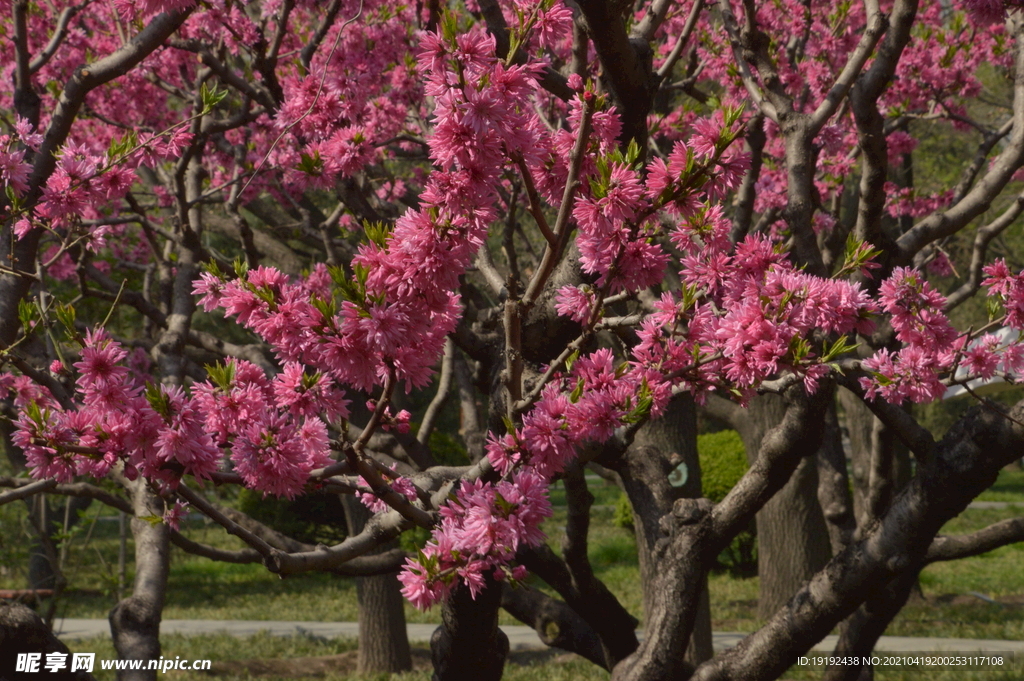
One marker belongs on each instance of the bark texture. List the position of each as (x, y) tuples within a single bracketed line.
[(557, 625), (383, 639), (696, 531), (469, 644), (879, 461), (792, 536), (965, 463), (659, 448), (383, 642), (135, 621)]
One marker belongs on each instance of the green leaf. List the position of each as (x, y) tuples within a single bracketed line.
[(799, 348), (310, 380), (28, 313), (122, 145), (377, 232), (153, 520), (644, 400), (571, 359), (995, 309), (158, 399), (503, 504), (311, 164), (66, 317), (214, 269), (12, 198), (211, 97), (222, 375), (35, 413), (326, 307), (840, 347), (449, 26), (337, 273), (577, 392), (632, 152)]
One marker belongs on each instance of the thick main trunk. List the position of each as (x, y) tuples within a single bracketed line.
[(383, 639), (792, 536), (469, 644), (658, 450), (135, 621)]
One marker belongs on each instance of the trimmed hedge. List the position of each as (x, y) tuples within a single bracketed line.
[(723, 461)]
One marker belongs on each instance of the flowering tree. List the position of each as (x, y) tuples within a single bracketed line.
[(594, 216)]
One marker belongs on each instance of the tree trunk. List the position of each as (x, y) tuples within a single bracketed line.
[(383, 638), (135, 621), (469, 644), (834, 485), (880, 463), (792, 536), (658, 450)]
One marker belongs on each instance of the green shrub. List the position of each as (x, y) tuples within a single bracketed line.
[(622, 516), (723, 461)]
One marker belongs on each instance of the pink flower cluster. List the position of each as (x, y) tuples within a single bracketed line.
[(934, 354), (14, 170), (744, 317), (272, 427), (1008, 288), (930, 341), (480, 532), (741, 315), (118, 420), (988, 12)]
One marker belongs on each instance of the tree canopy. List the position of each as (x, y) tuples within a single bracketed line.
[(236, 234)]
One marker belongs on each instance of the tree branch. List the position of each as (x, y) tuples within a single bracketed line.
[(990, 538), (443, 388), (982, 238), (798, 435)]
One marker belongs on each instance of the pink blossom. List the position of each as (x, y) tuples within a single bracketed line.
[(174, 515)]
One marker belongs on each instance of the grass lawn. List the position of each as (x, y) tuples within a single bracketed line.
[(269, 658)]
